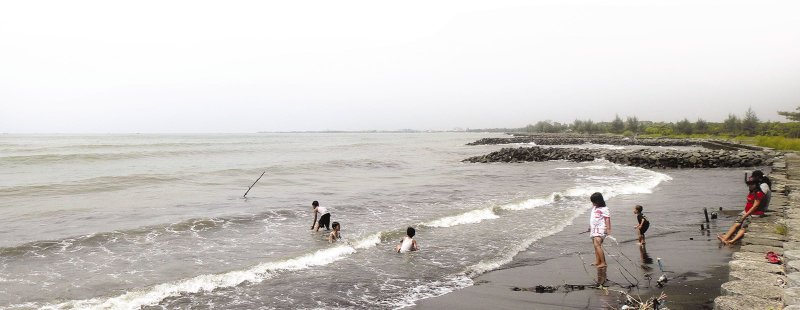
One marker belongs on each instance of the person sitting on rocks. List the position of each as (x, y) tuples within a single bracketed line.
[(752, 208), (765, 185)]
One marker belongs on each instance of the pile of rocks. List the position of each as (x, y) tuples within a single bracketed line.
[(645, 158), (754, 282)]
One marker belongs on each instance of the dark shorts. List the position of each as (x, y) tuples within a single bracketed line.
[(325, 220), (643, 229)]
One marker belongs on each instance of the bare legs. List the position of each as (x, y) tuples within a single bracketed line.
[(599, 255), (602, 275), (729, 238)]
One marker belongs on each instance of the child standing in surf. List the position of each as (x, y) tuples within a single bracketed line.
[(599, 227), (642, 223)]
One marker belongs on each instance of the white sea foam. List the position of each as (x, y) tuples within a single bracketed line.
[(532, 203), (646, 181), (463, 280), (507, 256), (367, 242), (598, 164), (429, 290), (606, 146), (471, 217), (209, 282)]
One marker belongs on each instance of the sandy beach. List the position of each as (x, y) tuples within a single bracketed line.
[(692, 259)]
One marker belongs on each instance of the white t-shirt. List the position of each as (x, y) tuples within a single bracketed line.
[(764, 205), (597, 221), (406, 245), (322, 210)]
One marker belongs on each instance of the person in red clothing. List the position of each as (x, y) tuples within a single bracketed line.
[(752, 208)]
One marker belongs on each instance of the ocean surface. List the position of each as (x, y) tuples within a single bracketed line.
[(159, 221)]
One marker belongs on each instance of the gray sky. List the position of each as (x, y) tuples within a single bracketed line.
[(240, 66)]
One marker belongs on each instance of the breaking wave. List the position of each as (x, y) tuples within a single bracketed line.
[(209, 282)]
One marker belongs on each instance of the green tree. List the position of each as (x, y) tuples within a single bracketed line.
[(701, 126), (684, 127), (577, 126), (559, 127), (591, 127), (617, 126), (632, 124), (732, 125), (750, 122), (792, 116), (529, 128), (546, 126)]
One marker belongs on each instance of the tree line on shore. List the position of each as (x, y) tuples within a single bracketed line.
[(747, 125)]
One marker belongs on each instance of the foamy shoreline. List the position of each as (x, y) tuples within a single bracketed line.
[(693, 258)]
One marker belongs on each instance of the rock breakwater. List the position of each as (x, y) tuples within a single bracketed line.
[(644, 158), (565, 140)]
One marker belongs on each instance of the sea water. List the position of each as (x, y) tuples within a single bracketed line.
[(132, 221)]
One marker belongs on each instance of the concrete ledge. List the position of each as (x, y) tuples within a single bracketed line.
[(793, 279), (761, 249), (791, 255), (752, 288), (745, 265), (757, 284), (770, 235), (755, 239), (750, 256), (791, 246), (793, 266), (791, 296), (744, 303), (766, 277), (761, 228)]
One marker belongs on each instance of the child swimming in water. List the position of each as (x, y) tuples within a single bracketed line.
[(408, 243), (335, 235)]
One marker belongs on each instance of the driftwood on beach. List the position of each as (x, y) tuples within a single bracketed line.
[(645, 158)]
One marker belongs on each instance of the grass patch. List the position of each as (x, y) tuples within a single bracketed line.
[(775, 142), (677, 136), (778, 143), (780, 229)]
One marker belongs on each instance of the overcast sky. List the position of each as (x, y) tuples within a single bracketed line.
[(240, 66)]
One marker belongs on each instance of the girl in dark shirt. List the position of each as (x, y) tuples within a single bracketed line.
[(642, 223)]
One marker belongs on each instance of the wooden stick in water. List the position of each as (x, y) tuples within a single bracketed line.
[(254, 183)]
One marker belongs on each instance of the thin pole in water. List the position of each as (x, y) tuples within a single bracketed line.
[(254, 183)]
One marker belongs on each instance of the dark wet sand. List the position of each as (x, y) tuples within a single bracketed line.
[(693, 260)]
